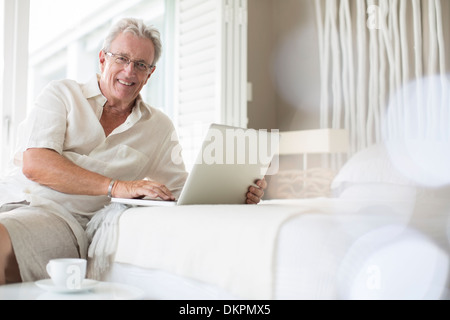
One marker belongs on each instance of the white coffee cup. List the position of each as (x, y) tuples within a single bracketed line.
[(67, 273)]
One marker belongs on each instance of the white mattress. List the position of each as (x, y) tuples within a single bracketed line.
[(357, 250)]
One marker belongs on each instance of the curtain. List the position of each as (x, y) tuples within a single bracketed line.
[(383, 68)]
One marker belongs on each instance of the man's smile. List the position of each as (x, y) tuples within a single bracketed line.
[(129, 84)]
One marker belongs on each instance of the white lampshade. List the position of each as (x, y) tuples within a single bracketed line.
[(314, 141)]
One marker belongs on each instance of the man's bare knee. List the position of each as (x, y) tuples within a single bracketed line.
[(9, 270), (5, 241), (5, 244)]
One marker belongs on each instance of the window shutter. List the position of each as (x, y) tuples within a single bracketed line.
[(210, 69)]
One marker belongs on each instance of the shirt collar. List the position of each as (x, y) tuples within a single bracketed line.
[(92, 89), (142, 106)]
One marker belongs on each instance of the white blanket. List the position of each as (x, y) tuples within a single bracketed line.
[(232, 247)]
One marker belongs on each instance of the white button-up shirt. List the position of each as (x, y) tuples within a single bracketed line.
[(65, 118)]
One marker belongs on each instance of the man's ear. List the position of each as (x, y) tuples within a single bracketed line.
[(102, 60), (150, 74)]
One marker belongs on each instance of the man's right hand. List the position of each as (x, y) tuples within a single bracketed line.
[(141, 189)]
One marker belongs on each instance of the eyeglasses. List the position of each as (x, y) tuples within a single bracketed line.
[(124, 61)]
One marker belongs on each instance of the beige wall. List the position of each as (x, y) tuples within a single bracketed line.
[(262, 111), (283, 65)]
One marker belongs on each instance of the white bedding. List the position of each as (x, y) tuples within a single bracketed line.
[(228, 246), (301, 249)]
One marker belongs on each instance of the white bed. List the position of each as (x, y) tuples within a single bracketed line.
[(381, 237)]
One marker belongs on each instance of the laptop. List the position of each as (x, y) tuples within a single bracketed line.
[(230, 161)]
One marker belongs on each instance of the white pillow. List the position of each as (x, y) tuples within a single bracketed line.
[(374, 174), (369, 167)]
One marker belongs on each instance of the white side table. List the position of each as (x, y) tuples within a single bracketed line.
[(102, 291)]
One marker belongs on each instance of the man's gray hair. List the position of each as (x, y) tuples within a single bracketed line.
[(138, 28)]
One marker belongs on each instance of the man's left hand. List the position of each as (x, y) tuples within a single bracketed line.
[(255, 194)]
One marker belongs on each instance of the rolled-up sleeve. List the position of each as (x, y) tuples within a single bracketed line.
[(47, 122)]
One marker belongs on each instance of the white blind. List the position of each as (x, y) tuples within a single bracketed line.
[(208, 55)]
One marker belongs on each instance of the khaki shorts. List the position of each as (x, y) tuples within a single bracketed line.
[(37, 236)]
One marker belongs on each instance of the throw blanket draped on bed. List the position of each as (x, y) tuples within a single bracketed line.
[(102, 232)]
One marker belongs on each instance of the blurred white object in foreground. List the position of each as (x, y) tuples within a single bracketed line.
[(394, 263)]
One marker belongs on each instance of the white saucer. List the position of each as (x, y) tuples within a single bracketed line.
[(47, 284)]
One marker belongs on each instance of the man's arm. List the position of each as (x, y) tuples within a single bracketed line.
[(49, 168)]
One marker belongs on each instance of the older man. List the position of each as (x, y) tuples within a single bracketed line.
[(83, 143)]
